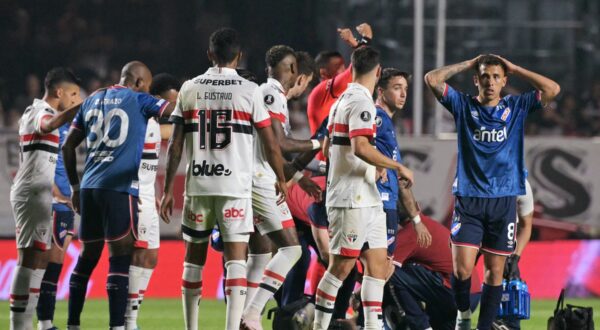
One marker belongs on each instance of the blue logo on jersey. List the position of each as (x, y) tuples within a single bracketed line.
[(455, 225)]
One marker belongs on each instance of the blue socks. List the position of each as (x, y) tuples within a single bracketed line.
[(462, 290), (490, 300), (47, 302), (117, 288), (78, 287)]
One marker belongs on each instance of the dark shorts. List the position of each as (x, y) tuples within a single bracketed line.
[(107, 215), (486, 223), (62, 226), (391, 228)]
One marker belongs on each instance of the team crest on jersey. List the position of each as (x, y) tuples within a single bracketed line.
[(455, 225), (505, 114), (269, 99), (378, 121), (352, 237), (365, 115)]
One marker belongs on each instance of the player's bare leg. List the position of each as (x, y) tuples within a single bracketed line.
[(491, 293), (143, 262), (25, 287), (87, 261), (288, 253), (235, 251), (47, 302), (463, 262), (191, 282), (339, 268), (258, 257), (371, 291), (118, 279)]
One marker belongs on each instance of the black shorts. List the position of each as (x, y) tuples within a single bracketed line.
[(107, 215), (486, 223), (391, 228), (62, 225)]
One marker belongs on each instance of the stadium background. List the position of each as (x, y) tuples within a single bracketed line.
[(560, 39)]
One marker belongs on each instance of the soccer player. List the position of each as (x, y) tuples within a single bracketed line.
[(113, 122), (145, 254), (330, 63), (219, 171), (273, 219), (422, 274), (354, 207), (392, 90), (490, 171), (31, 192)]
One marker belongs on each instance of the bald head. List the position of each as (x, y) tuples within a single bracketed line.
[(136, 76)]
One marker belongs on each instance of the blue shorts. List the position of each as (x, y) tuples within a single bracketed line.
[(62, 225), (392, 228), (486, 223), (107, 215)]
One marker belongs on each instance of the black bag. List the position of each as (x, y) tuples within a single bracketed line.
[(282, 316), (572, 317)]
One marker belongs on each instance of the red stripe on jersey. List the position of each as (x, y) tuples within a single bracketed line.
[(190, 114), (241, 115), (341, 128), (38, 137), (349, 252), (264, 123), (277, 115), (372, 303), (236, 282), (191, 285), (361, 132), (141, 244), (322, 294), (274, 275)]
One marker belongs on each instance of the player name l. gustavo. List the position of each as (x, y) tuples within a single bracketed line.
[(214, 96)]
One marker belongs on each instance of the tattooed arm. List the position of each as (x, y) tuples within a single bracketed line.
[(436, 79)]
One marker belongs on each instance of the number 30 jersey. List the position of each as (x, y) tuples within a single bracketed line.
[(114, 121), (217, 113)]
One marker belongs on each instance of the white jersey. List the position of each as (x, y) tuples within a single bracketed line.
[(270, 97), (218, 116), (149, 163), (351, 181), (38, 153)]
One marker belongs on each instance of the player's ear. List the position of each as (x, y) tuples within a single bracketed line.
[(504, 80), (476, 80), (210, 56), (378, 71), (58, 92)]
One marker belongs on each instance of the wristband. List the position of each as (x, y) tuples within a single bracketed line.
[(416, 219), (75, 187), (365, 41), (316, 144), (297, 176)]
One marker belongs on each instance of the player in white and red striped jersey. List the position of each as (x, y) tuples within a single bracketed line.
[(145, 254), (31, 192), (216, 118), (354, 207)]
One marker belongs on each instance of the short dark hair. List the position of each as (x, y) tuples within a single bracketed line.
[(306, 64), (247, 74), (364, 60), (388, 73), (59, 75), (323, 57), (225, 45), (490, 60), (277, 53), (163, 82)]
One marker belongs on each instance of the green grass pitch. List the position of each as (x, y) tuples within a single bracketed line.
[(167, 314)]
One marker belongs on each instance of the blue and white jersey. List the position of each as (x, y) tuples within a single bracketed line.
[(114, 121), (60, 175), (386, 143), (490, 143)]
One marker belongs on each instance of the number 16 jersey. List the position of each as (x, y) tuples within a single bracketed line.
[(217, 113)]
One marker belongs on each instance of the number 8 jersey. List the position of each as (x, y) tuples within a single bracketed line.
[(114, 121), (217, 112)]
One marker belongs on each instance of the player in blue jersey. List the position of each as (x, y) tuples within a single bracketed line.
[(62, 232), (113, 121), (392, 90), (490, 171)]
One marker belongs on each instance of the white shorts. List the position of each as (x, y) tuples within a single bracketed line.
[(148, 225), (33, 219), (268, 216), (350, 229), (525, 204), (200, 213)]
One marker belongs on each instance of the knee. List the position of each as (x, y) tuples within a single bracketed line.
[(292, 253), (493, 275), (463, 272)]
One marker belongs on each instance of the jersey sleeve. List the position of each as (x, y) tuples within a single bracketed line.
[(361, 119), (41, 116), (453, 100), (260, 113), (322, 132), (150, 105), (381, 129), (530, 101)]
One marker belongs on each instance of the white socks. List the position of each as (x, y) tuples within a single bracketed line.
[(138, 282), (255, 266), (325, 300), (191, 292), (371, 293), (19, 298), (235, 290)]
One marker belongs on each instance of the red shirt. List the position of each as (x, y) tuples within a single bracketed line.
[(299, 201), (437, 257), (322, 97)]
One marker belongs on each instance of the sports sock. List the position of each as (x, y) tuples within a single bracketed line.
[(325, 300), (461, 290), (235, 289), (117, 282), (78, 288), (34, 293), (275, 272), (191, 292), (131, 312), (19, 297), (256, 267), (144, 281), (47, 301), (372, 295), (490, 300)]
